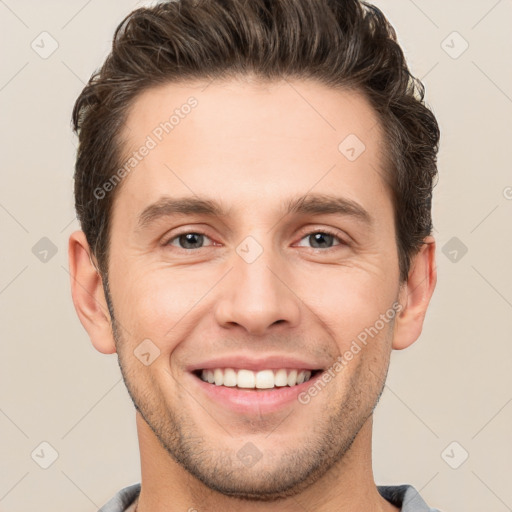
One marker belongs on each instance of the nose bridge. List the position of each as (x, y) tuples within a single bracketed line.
[(255, 295)]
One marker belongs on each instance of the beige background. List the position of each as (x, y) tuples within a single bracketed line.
[(454, 384)]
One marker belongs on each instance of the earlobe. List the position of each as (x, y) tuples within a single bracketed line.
[(415, 296), (88, 295)]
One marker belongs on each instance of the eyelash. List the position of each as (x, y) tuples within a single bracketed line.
[(322, 231)]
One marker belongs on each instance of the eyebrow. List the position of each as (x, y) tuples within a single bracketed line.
[(309, 204)]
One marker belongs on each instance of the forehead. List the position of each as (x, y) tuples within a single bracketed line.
[(245, 142)]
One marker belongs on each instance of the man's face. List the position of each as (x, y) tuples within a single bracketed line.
[(258, 283)]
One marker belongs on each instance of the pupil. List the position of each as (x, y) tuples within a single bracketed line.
[(189, 240), (319, 237)]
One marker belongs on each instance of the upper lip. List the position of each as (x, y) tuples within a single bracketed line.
[(274, 362)]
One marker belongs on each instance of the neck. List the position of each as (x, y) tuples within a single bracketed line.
[(348, 486)]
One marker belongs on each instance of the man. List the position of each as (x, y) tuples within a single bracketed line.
[(254, 183)]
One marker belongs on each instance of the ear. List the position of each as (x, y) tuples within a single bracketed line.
[(88, 295), (415, 295)]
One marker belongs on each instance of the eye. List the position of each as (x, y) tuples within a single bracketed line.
[(320, 239), (323, 239), (188, 241)]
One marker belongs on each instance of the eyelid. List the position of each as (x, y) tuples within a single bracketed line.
[(167, 239), (342, 238)]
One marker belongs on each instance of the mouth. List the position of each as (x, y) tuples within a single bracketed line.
[(246, 385), (251, 393), (262, 380)]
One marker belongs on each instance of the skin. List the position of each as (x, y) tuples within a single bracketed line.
[(252, 146)]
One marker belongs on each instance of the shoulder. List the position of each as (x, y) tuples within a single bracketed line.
[(122, 500), (406, 497)]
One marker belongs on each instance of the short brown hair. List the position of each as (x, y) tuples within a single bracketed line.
[(339, 43)]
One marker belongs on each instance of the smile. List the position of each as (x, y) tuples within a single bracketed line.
[(248, 379)]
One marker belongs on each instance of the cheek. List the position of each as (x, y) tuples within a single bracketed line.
[(352, 301), (159, 303)]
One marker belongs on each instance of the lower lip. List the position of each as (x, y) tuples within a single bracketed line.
[(253, 401)]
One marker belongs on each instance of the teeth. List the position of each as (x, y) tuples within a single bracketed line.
[(265, 379), (229, 377), (247, 379), (218, 377), (292, 378), (280, 378)]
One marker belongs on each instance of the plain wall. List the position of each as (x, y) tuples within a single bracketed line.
[(453, 385)]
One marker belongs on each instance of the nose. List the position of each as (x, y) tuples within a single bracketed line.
[(257, 296)]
